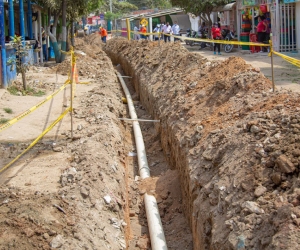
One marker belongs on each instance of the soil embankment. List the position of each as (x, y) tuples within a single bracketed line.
[(234, 142)]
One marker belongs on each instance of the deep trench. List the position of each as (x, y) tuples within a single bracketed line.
[(172, 153)]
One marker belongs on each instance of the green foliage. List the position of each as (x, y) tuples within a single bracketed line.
[(14, 90), (111, 16), (151, 4), (3, 120), (8, 110), (21, 52), (202, 8)]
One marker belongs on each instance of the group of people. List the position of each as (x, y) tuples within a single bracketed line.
[(163, 31)]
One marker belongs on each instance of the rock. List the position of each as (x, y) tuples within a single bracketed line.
[(254, 129), (84, 192), (57, 149), (276, 178), (253, 207), (285, 165), (28, 232), (57, 242), (259, 191), (107, 199), (79, 127)]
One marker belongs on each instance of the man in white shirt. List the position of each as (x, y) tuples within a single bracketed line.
[(175, 30), (157, 30), (167, 29)]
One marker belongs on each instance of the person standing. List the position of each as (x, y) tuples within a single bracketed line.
[(167, 31), (143, 31), (103, 33), (44, 45), (156, 30), (261, 31), (176, 30), (136, 34), (216, 35)]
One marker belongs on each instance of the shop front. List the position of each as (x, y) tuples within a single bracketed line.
[(279, 17)]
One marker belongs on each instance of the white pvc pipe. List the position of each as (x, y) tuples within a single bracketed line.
[(140, 146), (157, 236)]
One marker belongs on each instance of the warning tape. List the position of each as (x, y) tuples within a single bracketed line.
[(27, 112), (289, 59), (199, 39), (37, 139)]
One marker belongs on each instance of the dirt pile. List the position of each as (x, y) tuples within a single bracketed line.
[(234, 141), (90, 58), (82, 206)]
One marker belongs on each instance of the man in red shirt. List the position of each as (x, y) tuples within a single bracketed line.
[(216, 35), (103, 33)]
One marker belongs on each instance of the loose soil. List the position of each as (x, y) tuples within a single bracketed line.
[(224, 158)]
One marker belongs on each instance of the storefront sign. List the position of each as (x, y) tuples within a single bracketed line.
[(249, 2), (291, 1)]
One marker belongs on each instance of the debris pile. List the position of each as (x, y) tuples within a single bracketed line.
[(234, 141)]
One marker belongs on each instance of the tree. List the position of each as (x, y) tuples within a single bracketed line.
[(21, 52), (202, 8), (160, 4)]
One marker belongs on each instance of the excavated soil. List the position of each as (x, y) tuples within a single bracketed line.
[(234, 142), (83, 192), (224, 158)]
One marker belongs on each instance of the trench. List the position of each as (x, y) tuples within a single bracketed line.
[(163, 184)]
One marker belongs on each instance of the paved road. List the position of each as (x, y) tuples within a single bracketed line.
[(286, 75)]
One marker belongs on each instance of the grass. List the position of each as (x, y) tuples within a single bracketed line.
[(14, 90), (8, 110), (3, 120)]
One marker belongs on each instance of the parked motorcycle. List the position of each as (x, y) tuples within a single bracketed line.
[(227, 36), (194, 35), (204, 35), (188, 34)]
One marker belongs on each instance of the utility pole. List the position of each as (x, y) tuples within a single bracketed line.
[(110, 6)]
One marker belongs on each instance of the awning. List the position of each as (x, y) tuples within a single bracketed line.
[(226, 7)]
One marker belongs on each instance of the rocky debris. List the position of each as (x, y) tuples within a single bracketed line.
[(222, 126), (76, 217)]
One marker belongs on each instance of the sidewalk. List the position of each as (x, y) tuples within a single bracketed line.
[(286, 75)]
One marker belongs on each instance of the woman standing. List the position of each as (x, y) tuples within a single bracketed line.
[(216, 35), (261, 31)]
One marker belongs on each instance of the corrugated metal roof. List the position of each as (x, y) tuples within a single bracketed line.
[(226, 7), (154, 14)]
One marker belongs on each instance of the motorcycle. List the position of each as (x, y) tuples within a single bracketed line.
[(203, 45), (227, 36), (188, 34)]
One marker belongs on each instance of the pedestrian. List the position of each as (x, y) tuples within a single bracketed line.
[(143, 31), (216, 35), (44, 45), (157, 30), (176, 31), (103, 34), (136, 34), (261, 31), (167, 31)]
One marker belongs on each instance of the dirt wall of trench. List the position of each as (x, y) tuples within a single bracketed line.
[(233, 140)]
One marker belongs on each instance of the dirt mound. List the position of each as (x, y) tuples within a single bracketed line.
[(90, 59), (235, 142)]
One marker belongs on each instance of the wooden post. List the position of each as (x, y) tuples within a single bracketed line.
[(272, 65), (128, 28)]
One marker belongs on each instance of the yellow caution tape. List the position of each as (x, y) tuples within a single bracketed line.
[(219, 41), (37, 139), (199, 39), (289, 59), (27, 112)]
